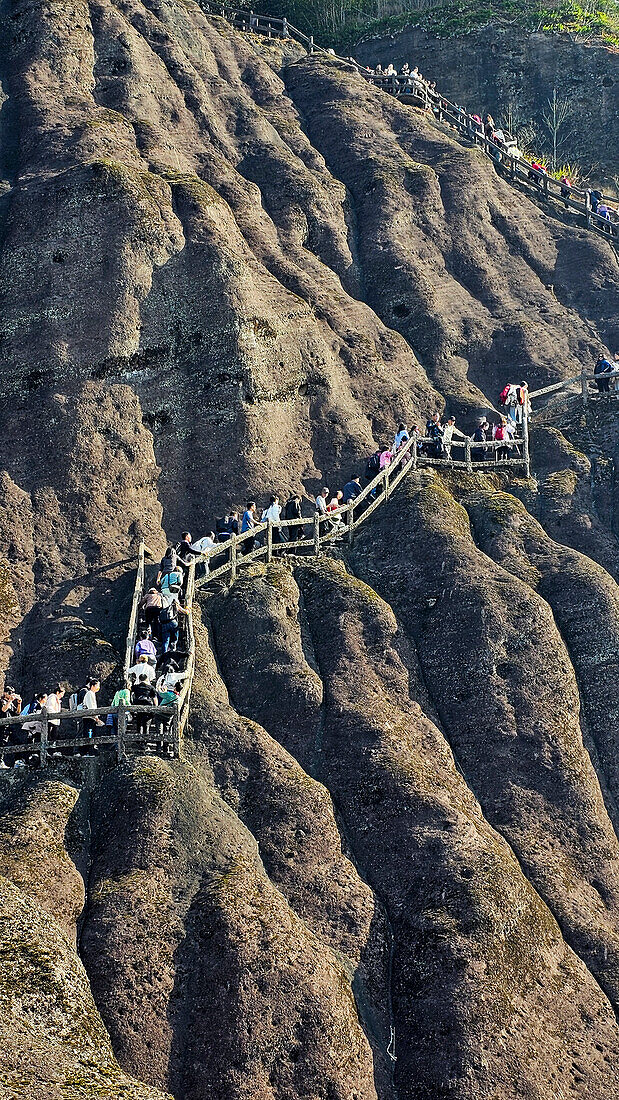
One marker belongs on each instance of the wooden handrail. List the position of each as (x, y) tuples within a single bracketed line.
[(399, 83), (342, 521), (138, 592)]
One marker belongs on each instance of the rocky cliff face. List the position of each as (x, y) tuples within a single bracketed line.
[(387, 866), (502, 69)]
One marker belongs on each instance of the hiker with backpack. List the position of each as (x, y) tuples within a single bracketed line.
[(172, 583), (501, 435), (168, 623), (150, 606), (434, 433), (145, 647), (603, 366), (372, 467)]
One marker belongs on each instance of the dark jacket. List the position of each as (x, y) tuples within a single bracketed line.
[(143, 695), (351, 490), (292, 509)]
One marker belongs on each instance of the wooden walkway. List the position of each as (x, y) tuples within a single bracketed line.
[(61, 735), (415, 91), (320, 532)]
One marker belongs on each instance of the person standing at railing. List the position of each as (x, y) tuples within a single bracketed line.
[(566, 189), (272, 514), (227, 527), (321, 501), (448, 432), (90, 724), (603, 366), (248, 523), (122, 698), (10, 707), (480, 454), (292, 510), (53, 706), (168, 699)]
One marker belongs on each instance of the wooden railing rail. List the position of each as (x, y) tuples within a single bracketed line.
[(342, 522), (184, 698), (138, 592), (45, 739), (583, 379), (398, 84)]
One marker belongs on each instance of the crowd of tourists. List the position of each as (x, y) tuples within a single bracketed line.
[(155, 679), (409, 81), (496, 441), (159, 663)]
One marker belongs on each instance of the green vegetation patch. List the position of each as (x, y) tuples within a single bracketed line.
[(347, 22)]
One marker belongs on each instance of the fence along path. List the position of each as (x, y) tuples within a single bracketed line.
[(583, 380), (325, 530), (418, 93), (169, 722)]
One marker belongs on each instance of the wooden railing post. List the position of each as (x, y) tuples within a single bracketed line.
[(468, 456), (311, 43), (316, 533), (584, 389), (285, 27), (176, 725), (233, 558), (386, 480), (351, 533), (588, 209), (525, 443), (44, 738), (121, 718), (269, 540)]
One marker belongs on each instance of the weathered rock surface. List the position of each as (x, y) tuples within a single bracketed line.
[(53, 1041), (419, 837), (510, 709), (33, 855), (209, 983)]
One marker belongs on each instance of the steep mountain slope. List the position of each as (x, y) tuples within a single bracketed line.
[(387, 865)]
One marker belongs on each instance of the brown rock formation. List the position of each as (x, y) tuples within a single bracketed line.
[(53, 1041)]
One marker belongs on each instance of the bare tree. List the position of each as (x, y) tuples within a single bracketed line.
[(557, 122), (518, 125)]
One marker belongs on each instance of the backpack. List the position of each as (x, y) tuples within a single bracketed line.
[(373, 464), (167, 615), (503, 394), (73, 701), (500, 433), (173, 581)]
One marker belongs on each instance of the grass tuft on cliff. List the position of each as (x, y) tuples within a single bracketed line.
[(347, 20)]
